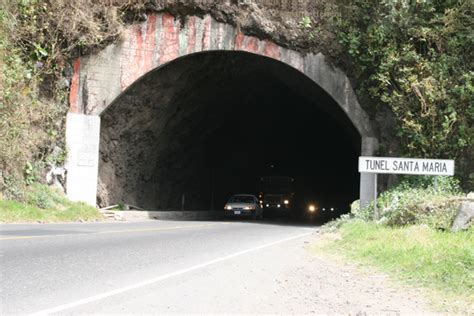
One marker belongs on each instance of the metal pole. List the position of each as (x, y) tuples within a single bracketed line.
[(182, 202), (376, 215), (436, 183)]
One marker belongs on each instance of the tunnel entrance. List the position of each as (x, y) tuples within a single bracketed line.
[(210, 124)]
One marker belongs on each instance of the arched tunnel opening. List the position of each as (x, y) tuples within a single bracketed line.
[(211, 124)]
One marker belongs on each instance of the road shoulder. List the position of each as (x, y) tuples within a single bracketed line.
[(286, 278)]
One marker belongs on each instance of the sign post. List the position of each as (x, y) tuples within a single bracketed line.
[(413, 166), (376, 214)]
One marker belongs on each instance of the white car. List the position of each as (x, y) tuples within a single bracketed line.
[(243, 205)]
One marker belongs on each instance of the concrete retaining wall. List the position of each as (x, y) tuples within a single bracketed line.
[(164, 215)]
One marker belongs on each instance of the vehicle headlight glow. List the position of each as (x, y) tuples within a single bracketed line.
[(311, 208), (268, 205), (286, 202), (249, 208), (278, 205), (332, 208), (228, 207)]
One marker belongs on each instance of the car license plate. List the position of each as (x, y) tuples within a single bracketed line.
[(237, 212)]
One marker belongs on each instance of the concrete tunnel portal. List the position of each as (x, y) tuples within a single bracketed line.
[(210, 124)]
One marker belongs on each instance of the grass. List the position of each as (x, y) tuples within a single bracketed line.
[(418, 255), (44, 204)]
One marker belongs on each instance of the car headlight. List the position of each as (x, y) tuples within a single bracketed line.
[(311, 208), (286, 202), (278, 205), (228, 207), (268, 205), (249, 208), (332, 208)]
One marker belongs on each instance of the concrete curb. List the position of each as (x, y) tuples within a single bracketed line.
[(163, 215)]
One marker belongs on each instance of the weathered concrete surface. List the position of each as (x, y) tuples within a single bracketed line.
[(368, 181), (465, 217), (82, 143), (98, 79), (165, 215)]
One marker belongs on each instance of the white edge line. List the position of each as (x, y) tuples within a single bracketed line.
[(157, 279)]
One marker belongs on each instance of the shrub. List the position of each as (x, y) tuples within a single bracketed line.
[(44, 197), (417, 200)]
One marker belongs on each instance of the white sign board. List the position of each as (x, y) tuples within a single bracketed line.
[(434, 167), (82, 140)]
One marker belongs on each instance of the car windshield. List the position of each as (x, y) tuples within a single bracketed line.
[(241, 199)]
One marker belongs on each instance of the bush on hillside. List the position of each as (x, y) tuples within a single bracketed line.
[(416, 200), (44, 197)]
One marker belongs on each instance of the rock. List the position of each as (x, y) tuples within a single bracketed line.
[(470, 195), (465, 216), (118, 217), (355, 206)]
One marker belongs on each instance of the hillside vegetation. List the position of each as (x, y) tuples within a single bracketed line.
[(38, 40), (415, 58)]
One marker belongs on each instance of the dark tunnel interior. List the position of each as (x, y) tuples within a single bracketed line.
[(211, 124)]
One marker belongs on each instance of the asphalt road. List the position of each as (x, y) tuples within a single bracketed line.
[(145, 267)]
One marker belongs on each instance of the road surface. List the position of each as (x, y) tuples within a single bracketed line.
[(157, 267)]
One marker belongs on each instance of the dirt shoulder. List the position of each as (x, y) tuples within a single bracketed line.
[(332, 285)]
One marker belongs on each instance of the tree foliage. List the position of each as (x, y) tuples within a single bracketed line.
[(417, 59)]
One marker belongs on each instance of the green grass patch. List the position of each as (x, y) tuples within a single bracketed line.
[(45, 204), (419, 255)]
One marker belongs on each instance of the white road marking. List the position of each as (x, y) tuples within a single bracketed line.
[(158, 279)]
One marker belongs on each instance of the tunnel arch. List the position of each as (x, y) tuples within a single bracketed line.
[(100, 79), (155, 135)]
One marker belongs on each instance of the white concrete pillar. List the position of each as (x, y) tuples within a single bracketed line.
[(82, 164), (367, 180)]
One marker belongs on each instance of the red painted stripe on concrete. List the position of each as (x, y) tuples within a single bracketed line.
[(206, 36), (191, 45), (251, 44), (73, 93), (270, 49), (132, 60), (138, 52), (239, 40), (169, 44), (150, 43)]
